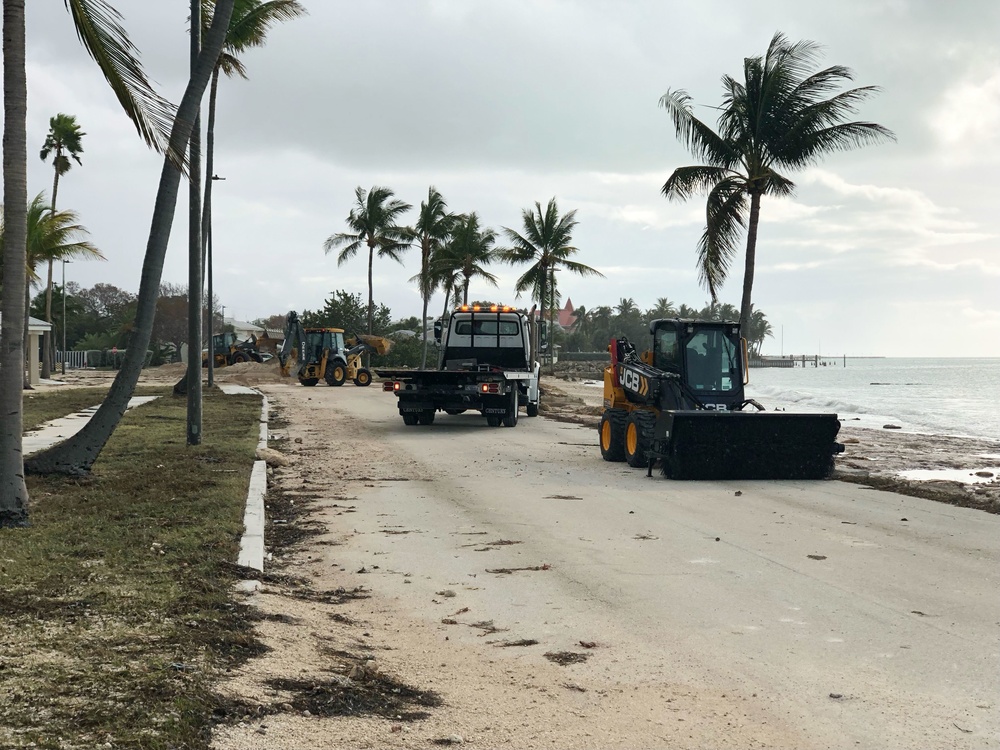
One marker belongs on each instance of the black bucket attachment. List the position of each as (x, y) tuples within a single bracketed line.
[(707, 444)]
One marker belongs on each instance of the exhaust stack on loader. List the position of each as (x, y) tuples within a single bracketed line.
[(682, 403)]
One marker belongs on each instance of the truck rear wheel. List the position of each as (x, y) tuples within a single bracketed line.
[(426, 416), (639, 438), (494, 420), (510, 418), (531, 409), (409, 418), (612, 434)]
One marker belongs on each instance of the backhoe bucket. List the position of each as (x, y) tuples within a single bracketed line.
[(707, 444), (380, 344)]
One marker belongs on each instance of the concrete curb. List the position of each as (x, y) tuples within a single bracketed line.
[(252, 543)]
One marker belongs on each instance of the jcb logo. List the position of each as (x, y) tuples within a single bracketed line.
[(634, 381)]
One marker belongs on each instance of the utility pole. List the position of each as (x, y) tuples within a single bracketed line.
[(207, 229), (64, 315)]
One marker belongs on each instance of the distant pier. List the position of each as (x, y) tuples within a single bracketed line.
[(797, 360)]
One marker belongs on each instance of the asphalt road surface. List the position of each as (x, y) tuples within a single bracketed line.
[(845, 616)]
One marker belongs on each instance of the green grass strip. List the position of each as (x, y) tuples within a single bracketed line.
[(116, 613)]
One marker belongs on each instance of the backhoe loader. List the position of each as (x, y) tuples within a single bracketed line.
[(227, 350), (323, 353), (682, 403)]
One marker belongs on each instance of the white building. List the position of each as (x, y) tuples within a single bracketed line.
[(37, 332)]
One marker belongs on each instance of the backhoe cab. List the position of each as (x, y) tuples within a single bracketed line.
[(682, 403)]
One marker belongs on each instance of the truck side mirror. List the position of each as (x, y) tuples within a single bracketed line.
[(437, 331)]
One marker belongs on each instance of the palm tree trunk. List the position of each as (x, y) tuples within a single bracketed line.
[(423, 331), (541, 311), (13, 492), (746, 304), (425, 261), (77, 454), (371, 297)]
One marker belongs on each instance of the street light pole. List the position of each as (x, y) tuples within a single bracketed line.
[(64, 315), (207, 235)]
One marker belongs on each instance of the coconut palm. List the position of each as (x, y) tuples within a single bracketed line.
[(248, 27), (777, 118), (432, 230), (65, 143), (78, 453), (663, 308), (373, 222), (546, 245), (467, 253)]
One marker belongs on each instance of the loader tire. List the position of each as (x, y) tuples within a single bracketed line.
[(639, 438), (426, 416), (612, 434), (531, 409), (364, 378), (239, 358), (410, 418), (510, 418), (309, 381), (336, 374)]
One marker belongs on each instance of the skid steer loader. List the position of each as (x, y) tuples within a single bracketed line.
[(682, 403), (228, 350), (322, 353)]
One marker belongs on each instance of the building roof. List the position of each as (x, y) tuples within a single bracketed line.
[(37, 326)]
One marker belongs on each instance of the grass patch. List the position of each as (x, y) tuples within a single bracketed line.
[(116, 613), (44, 406)]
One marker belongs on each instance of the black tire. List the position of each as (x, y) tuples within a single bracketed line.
[(453, 412), (494, 420), (309, 381), (336, 373), (510, 418), (531, 409), (639, 438), (239, 357), (426, 416), (363, 378), (410, 418), (612, 434)]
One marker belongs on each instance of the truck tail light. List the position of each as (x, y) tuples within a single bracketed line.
[(387, 385), (490, 388)]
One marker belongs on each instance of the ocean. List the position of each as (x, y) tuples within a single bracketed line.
[(959, 397)]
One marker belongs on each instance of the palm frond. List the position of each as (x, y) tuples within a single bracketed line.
[(724, 223), (99, 29)]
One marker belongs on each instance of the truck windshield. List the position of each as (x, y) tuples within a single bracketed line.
[(487, 327), (711, 362)]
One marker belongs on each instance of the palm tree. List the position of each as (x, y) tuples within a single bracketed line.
[(777, 118), (77, 454), (546, 244), (468, 252), (760, 329), (373, 222), (248, 27), (65, 142), (663, 308), (432, 230)]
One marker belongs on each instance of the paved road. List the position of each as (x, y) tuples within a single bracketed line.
[(851, 617)]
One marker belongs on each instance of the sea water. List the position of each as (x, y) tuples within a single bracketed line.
[(959, 397)]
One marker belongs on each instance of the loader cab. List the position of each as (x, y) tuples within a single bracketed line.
[(319, 340), (708, 355)]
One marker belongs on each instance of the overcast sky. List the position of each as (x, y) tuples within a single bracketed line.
[(888, 250)]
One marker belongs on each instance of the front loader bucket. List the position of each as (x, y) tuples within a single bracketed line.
[(746, 445)]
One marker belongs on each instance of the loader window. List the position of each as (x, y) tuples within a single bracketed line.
[(712, 362), (665, 351)]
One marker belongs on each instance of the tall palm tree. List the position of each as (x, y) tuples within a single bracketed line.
[(77, 454), (468, 252), (777, 118), (65, 143), (248, 27), (433, 227), (546, 244), (663, 308), (373, 222)]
